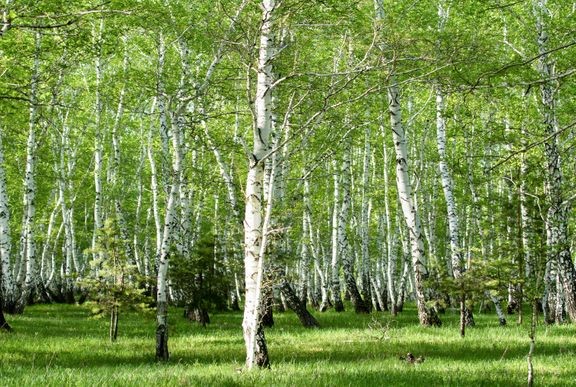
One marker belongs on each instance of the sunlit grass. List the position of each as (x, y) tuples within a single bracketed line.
[(59, 345)]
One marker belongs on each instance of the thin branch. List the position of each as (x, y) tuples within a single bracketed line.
[(522, 63), (530, 146)]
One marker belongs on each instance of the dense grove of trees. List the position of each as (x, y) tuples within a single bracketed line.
[(249, 153)]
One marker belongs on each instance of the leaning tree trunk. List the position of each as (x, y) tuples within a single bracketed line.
[(557, 240), (426, 315), (297, 305), (256, 349)]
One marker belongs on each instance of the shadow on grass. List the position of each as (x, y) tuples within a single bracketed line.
[(74, 342)]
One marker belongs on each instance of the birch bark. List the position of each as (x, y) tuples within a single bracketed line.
[(28, 235), (8, 291), (171, 222), (365, 221), (426, 315), (336, 255), (390, 239), (256, 350), (344, 250), (457, 257), (98, 145), (557, 238)]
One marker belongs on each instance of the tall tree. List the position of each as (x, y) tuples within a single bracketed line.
[(256, 349), (558, 208)]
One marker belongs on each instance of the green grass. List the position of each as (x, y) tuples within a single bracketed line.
[(58, 345)]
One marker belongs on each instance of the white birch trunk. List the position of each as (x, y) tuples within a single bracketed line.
[(524, 214), (256, 351), (98, 146), (411, 216), (8, 286), (456, 251), (28, 235), (557, 239), (171, 222), (306, 245), (345, 251), (365, 221), (336, 258), (390, 238), (170, 230)]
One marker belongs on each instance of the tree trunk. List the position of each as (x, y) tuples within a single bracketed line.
[(98, 147), (297, 305), (256, 349), (336, 252), (426, 315), (557, 239), (3, 323), (365, 227), (114, 314), (28, 235), (390, 239), (456, 250), (171, 225), (8, 288), (344, 250)]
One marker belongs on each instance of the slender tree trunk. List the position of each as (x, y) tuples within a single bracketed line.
[(170, 230), (28, 242), (390, 239), (344, 250), (114, 315), (456, 250), (426, 315), (256, 349), (336, 254), (8, 290), (98, 146), (365, 223), (67, 220), (306, 247)]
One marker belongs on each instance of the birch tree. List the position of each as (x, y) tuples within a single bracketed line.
[(28, 243), (557, 238), (426, 315), (8, 290), (255, 341)]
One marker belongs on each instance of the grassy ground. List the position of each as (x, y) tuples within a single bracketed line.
[(58, 345)]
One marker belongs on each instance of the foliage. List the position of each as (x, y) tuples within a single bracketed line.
[(116, 283), (492, 276), (200, 279)]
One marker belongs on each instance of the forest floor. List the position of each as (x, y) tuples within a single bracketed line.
[(60, 345)]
